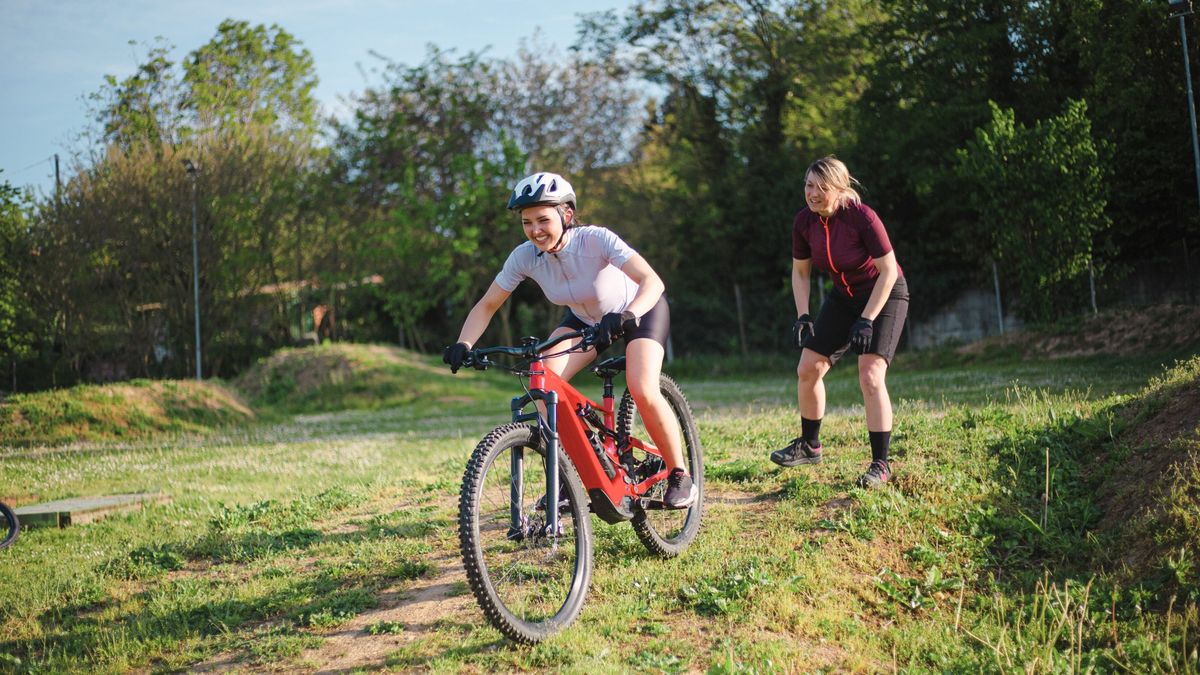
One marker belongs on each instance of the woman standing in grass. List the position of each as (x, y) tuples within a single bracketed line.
[(603, 283), (844, 238)]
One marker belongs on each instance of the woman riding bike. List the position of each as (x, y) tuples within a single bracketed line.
[(603, 282)]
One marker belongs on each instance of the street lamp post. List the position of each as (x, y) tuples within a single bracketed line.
[(191, 170), (1181, 9)]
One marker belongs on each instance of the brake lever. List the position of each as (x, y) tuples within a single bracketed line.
[(589, 337)]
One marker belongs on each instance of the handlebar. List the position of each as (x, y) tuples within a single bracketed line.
[(531, 347)]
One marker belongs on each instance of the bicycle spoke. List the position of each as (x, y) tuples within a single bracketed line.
[(666, 532), (529, 577)]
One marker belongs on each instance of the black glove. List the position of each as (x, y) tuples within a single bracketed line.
[(802, 330), (860, 336), (612, 327), (454, 355)]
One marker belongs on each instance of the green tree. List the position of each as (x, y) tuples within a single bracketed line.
[(567, 113), (424, 169), (118, 243), (251, 76), (143, 108), (1138, 101), (754, 91), (1040, 193), (938, 65), (19, 329)]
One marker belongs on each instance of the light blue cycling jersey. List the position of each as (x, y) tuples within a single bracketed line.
[(583, 275)]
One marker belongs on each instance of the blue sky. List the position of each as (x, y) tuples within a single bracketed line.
[(53, 53)]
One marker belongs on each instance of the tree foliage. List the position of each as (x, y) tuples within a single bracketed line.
[(979, 128), (115, 269), (1038, 194), (754, 91), (20, 332)]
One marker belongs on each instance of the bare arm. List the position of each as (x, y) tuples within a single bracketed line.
[(482, 313), (650, 287), (801, 284), (889, 271)]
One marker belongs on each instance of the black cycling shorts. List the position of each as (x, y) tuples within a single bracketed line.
[(655, 324), (831, 332)]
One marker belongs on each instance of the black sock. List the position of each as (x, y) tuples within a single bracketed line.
[(880, 441), (810, 431)]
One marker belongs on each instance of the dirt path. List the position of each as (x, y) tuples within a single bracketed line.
[(418, 608)]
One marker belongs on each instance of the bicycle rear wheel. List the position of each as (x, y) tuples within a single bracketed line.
[(10, 527), (666, 532), (530, 583)]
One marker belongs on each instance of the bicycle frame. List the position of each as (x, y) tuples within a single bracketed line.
[(614, 498)]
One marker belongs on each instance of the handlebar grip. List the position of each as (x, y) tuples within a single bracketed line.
[(474, 360)]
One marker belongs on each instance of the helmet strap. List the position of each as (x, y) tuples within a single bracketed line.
[(562, 216)]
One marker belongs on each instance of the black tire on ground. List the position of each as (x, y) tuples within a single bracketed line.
[(668, 533), (10, 527), (529, 585)]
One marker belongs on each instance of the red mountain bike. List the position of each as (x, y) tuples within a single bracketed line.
[(529, 563)]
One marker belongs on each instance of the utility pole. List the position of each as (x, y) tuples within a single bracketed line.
[(57, 187), (1181, 9), (191, 170)]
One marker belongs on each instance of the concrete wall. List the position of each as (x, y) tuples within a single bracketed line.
[(973, 314), (971, 317)]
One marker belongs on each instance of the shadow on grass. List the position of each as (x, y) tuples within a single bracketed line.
[(1077, 535), (189, 597)]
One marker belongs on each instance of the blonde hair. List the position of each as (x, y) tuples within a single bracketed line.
[(831, 174)]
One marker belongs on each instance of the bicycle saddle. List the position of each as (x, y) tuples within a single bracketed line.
[(610, 367)]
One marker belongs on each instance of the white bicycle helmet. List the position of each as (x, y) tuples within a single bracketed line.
[(542, 189)]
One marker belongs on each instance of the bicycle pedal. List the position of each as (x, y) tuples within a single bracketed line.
[(660, 505)]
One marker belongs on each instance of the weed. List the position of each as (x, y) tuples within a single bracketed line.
[(273, 644), (385, 628), (337, 608), (724, 594), (915, 593), (739, 471), (410, 569)]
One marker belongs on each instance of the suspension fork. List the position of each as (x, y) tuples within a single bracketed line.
[(548, 427)]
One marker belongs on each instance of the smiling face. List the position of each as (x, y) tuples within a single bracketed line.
[(543, 225), (821, 199)]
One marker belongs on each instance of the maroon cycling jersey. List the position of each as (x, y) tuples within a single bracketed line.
[(843, 246)]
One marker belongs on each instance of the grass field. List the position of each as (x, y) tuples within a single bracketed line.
[(327, 540)]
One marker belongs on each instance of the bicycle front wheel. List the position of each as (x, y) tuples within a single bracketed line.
[(666, 532), (10, 527), (530, 582)]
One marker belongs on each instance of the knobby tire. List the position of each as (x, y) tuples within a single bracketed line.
[(529, 586), (667, 533)]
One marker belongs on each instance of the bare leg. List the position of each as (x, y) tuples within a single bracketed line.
[(643, 366), (810, 384), (567, 365), (872, 379)]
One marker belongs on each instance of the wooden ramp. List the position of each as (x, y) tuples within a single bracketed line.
[(80, 510)]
